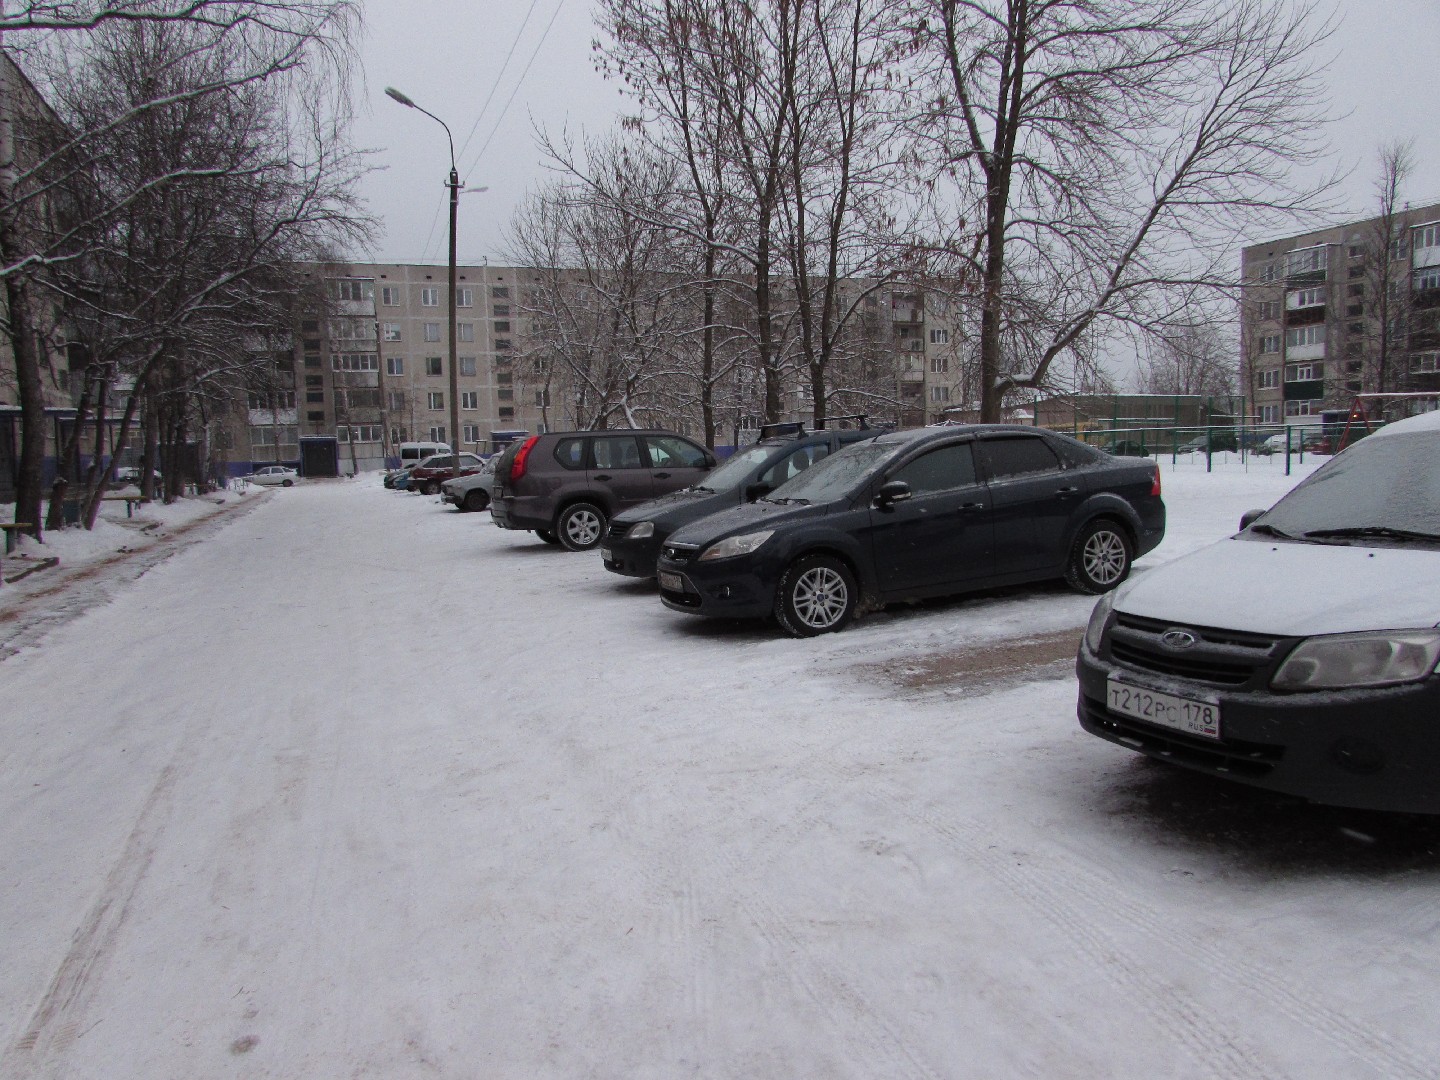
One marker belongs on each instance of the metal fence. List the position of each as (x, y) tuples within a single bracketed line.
[(1293, 442)]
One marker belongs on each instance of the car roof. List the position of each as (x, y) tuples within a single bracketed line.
[(1427, 421), (941, 430)]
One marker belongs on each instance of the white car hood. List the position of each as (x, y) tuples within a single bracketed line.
[(1291, 590)]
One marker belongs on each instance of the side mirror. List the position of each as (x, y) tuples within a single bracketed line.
[(709, 460), (1249, 518), (891, 492), (757, 491)]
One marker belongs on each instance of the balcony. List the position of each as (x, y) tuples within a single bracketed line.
[(270, 416), (1307, 266)]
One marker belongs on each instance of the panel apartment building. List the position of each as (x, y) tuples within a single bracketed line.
[(1343, 311), (368, 367)]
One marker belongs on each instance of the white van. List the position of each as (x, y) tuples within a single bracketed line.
[(412, 453), (1301, 654)]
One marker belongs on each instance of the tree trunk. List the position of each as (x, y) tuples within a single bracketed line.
[(29, 490)]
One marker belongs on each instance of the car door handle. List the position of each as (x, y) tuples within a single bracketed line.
[(662, 476), (971, 506), (601, 476), (1066, 490)]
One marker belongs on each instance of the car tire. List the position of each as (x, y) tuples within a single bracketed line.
[(816, 595), (287, 483), (1100, 558), (476, 500), (432, 488), (580, 526), (548, 536)]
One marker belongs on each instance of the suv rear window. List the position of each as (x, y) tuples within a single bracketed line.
[(570, 453)]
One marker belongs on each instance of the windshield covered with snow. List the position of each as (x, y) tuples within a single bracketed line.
[(836, 476), (732, 474), (1380, 489)]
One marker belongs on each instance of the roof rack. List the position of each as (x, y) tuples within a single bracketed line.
[(796, 428)]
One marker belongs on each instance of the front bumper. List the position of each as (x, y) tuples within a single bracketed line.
[(631, 558), (1373, 749), (724, 588)]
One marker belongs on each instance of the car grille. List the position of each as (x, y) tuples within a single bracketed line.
[(617, 530), (1218, 657), (678, 553), (1225, 756)]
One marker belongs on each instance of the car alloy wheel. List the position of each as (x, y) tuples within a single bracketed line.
[(581, 526), (1100, 559), (287, 483), (816, 596), (475, 500)]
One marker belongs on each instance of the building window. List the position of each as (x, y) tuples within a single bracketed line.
[(1307, 261), (1358, 289), (392, 331), (467, 365), (437, 403), (396, 400), (364, 433), (502, 311), (502, 344), (394, 365), (1304, 372), (1270, 343), (354, 362), (464, 297), (507, 412), (390, 296), (503, 378), (280, 399), (939, 365), (466, 331), (939, 337), (1267, 272), (939, 393), (1397, 248), (1267, 309), (315, 397), (1307, 298), (505, 393), (470, 433), (1300, 336), (1310, 407), (434, 367), (429, 296), (1425, 362), (499, 292), (1267, 380), (1429, 278), (352, 329), (542, 399), (399, 435), (1269, 414), (437, 434), (352, 289), (469, 399), (315, 417), (432, 331), (502, 327)]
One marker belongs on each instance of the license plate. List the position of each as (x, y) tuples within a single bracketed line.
[(673, 582), (1182, 714), (607, 555)]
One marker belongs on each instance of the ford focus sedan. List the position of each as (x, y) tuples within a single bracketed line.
[(917, 514), (1299, 655)]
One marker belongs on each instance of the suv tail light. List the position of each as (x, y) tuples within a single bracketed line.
[(517, 467), (1155, 484)]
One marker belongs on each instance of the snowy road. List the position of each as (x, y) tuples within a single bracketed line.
[(361, 787)]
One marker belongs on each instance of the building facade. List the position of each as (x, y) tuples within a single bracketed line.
[(1331, 315)]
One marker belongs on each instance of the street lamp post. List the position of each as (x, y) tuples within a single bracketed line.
[(454, 186)]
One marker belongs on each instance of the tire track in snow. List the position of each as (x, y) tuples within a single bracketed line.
[(56, 1022)]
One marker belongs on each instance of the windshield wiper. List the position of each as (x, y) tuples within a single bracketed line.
[(1380, 532), (785, 502), (701, 487), (1271, 530)]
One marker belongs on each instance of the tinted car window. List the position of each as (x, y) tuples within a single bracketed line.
[(1073, 452), (792, 465), (939, 470), (838, 475), (617, 452), (736, 468), (570, 453), (1020, 456), (669, 452)]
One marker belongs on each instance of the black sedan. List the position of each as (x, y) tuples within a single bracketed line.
[(918, 514), (632, 544)]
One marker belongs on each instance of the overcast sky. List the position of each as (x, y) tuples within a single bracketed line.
[(494, 71)]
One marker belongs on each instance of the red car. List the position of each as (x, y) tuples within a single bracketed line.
[(433, 471)]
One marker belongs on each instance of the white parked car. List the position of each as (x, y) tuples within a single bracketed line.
[(1301, 654), (282, 475)]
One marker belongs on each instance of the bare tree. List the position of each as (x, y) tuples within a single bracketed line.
[(1193, 358), (1386, 304), (1106, 152)]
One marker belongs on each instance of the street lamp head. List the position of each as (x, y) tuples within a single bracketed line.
[(390, 91)]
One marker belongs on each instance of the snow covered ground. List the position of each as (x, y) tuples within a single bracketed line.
[(358, 786)]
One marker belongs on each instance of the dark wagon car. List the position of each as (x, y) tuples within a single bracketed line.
[(1299, 655), (916, 514), (633, 541), (565, 486)]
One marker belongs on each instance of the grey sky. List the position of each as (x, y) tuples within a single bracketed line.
[(450, 56)]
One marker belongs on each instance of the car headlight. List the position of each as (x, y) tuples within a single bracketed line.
[(732, 546), (1340, 661), (1099, 617), (643, 531)]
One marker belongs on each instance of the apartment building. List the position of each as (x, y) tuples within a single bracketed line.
[(1340, 312)]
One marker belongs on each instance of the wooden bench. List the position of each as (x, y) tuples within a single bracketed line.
[(12, 531), (131, 501)]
